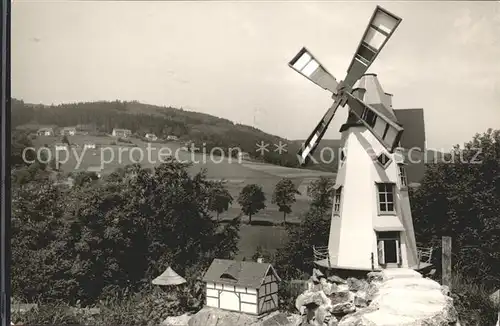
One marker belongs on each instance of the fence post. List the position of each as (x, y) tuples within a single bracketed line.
[(446, 261)]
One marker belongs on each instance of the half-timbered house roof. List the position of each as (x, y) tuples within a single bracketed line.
[(239, 273)]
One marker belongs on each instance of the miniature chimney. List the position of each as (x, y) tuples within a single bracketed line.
[(260, 260)]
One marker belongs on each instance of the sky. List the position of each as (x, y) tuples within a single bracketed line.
[(230, 59)]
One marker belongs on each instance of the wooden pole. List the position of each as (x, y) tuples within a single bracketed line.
[(446, 261)]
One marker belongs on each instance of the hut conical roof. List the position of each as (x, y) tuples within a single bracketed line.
[(169, 277)]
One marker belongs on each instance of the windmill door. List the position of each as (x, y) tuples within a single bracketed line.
[(388, 247)]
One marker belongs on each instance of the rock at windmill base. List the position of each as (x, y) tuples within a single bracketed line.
[(343, 308), (307, 299), (337, 280), (356, 285), (318, 273), (375, 277), (340, 297), (182, 320), (328, 288), (405, 298)]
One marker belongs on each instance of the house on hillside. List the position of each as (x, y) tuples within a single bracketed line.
[(60, 147), (151, 137), (122, 133), (243, 156), (89, 146), (242, 286), (45, 132), (172, 137), (68, 131)]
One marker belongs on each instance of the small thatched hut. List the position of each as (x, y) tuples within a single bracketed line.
[(169, 277)]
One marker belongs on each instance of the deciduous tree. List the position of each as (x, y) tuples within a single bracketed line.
[(284, 196), (321, 191), (220, 198), (252, 200)]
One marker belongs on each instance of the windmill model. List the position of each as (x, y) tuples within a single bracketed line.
[(371, 226)]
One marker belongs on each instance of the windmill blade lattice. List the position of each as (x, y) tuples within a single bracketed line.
[(380, 28)]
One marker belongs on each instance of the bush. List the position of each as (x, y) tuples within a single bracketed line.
[(296, 258), (288, 293), (472, 302), (54, 314), (150, 306)]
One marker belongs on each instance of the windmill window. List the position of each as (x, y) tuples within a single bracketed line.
[(369, 117), (383, 160), (342, 155), (402, 175), (386, 198), (336, 200)]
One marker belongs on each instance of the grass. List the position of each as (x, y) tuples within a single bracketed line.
[(270, 238)]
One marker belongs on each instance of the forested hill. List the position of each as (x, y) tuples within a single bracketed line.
[(142, 118)]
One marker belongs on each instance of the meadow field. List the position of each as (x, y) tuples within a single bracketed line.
[(266, 232)]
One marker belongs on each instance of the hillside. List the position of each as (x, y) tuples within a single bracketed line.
[(203, 129), (326, 154)]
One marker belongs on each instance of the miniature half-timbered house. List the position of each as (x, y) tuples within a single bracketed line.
[(242, 286)]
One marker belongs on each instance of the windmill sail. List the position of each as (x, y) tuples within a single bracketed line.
[(308, 66), (383, 128), (381, 27), (313, 140)]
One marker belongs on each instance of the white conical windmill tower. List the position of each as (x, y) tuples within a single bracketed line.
[(371, 225)]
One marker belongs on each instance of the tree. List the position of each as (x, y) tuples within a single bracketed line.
[(296, 258), (20, 141), (321, 191), (284, 196), (65, 140), (84, 177), (220, 198), (251, 200), (461, 198)]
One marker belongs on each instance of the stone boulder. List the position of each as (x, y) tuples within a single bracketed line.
[(341, 297), (218, 317), (356, 285), (404, 298), (182, 320), (360, 300), (337, 280), (375, 277), (308, 299), (343, 308), (327, 287)]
